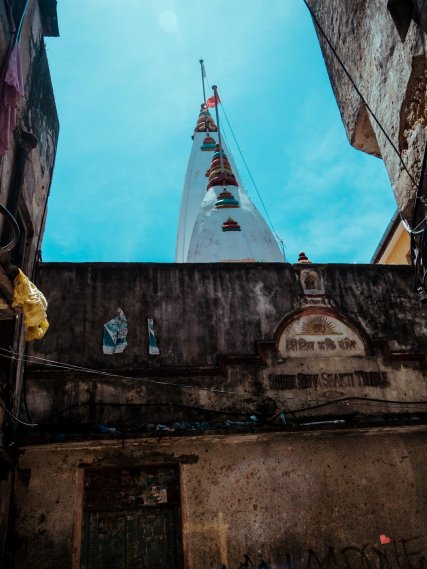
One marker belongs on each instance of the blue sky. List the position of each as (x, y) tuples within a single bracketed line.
[(128, 91)]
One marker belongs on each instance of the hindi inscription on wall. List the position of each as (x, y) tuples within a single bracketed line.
[(320, 335)]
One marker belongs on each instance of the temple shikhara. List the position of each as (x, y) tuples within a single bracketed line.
[(218, 221)]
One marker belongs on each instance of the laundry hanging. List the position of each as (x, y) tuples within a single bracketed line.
[(12, 85), (33, 303)]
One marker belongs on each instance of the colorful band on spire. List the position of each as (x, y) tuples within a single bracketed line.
[(218, 178), (230, 225), (226, 200), (205, 122)]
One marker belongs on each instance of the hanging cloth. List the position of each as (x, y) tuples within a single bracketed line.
[(11, 92), (33, 303), (12, 84)]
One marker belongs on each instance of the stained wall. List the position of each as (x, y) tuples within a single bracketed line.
[(291, 397), (313, 500)]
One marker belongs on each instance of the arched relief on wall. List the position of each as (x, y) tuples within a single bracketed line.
[(320, 332)]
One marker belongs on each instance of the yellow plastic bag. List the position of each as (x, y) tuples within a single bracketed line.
[(33, 304)]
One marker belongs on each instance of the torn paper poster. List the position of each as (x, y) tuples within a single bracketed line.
[(115, 332), (153, 350), (384, 539)]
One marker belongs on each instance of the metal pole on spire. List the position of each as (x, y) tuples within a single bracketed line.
[(203, 71), (215, 90)]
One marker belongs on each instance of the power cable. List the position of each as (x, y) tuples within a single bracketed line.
[(158, 404), (10, 354), (15, 418), (252, 178), (70, 367), (352, 81), (276, 235), (418, 234), (346, 400), (240, 413)]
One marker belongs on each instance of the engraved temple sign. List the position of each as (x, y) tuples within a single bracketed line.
[(320, 334)]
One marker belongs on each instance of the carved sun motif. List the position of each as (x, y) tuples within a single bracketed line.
[(318, 326)]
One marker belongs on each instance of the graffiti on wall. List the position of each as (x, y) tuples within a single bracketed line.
[(403, 553)]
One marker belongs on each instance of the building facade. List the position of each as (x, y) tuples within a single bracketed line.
[(395, 245), (218, 221), (26, 166), (237, 415), (281, 422)]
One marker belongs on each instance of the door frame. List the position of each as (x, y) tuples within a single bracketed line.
[(78, 515)]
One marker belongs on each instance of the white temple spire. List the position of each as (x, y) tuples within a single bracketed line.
[(218, 222), (204, 139)]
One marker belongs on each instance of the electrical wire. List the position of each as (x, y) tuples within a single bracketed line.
[(276, 235), (252, 179), (15, 418), (246, 166), (10, 354), (417, 233), (159, 404), (237, 413), (346, 400), (352, 81), (52, 363)]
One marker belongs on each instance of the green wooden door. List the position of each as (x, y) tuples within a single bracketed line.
[(131, 519)]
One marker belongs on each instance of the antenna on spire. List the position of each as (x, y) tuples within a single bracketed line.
[(203, 71), (216, 98)]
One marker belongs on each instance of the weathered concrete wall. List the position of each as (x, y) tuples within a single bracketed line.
[(201, 311), (293, 501), (235, 341), (389, 68)]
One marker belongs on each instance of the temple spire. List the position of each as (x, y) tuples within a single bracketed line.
[(204, 148), (218, 222)]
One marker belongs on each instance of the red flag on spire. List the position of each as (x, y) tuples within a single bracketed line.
[(210, 103)]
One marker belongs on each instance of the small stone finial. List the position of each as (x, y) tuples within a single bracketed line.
[(303, 258)]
